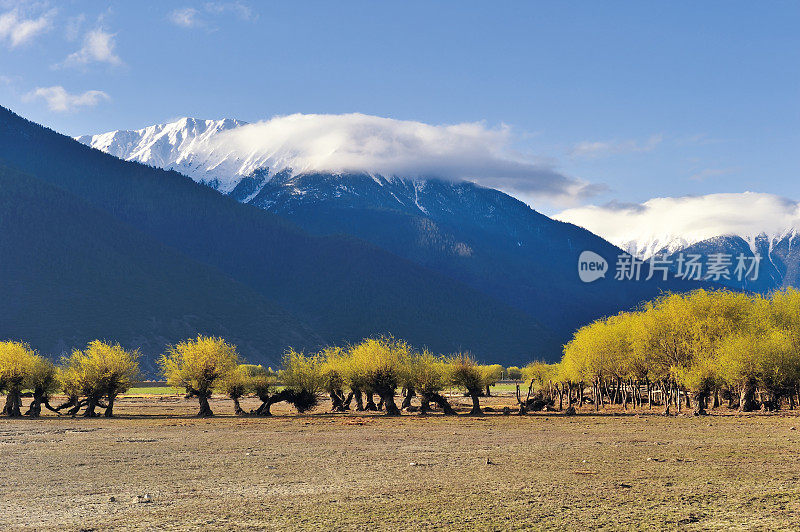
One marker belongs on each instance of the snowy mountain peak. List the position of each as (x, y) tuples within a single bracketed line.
[(174, 145)]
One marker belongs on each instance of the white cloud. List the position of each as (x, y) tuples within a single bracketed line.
[(594, 149), (17, 30), (59, 100), (363, 143), (98, 46), (644, 228), (190, 17), (187, 17)]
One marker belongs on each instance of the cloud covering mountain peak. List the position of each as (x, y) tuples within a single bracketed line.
[(342, 143), (672, 223)]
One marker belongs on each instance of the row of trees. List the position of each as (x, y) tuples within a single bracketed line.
[(90, 378), (351, 377), (699, 346), (688, 348)]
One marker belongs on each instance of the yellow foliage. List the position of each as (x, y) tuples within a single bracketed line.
[(100, 369), (197, 364), (16, 361)]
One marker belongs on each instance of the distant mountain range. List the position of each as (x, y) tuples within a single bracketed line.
[(477, 236), (779, 265), (743, 229)]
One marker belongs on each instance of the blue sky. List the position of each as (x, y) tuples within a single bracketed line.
[(644, 98)]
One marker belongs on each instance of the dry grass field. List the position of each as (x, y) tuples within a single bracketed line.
[(156, 467)]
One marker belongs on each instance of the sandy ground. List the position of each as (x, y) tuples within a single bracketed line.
[(155, 468)]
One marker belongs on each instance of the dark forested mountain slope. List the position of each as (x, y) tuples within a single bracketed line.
[(340, 286), (70, 273)]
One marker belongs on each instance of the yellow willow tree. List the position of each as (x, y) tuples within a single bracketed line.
[(763, 352), (16, 361), (100, 370), (333, 378), (467, 374), (236, 384), (429, 374), (514, 373), (380, 362), (196, 365), (303, 377), (710, 317), (492, 373), (785, 314), (676, 338), (597, 354), (42, 380)]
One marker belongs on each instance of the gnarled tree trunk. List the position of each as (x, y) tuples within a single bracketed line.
[(387, 398), (370, 406), (110, 406), (359, 400), (747, 401), (699, 401), (407, 398), (441, 401), (13, 404), (476, 403), (205, 408)]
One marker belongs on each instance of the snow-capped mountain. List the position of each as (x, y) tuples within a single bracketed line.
[(779, 254), (185, 146), (659, 245), (749, 223)]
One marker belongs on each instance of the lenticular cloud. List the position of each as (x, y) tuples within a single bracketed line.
[(371, 144)]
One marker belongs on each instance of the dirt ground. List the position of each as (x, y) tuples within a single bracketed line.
[(156, 467)]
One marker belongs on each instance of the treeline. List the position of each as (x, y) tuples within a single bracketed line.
[(354, 377), (698, 349), (694, 348)]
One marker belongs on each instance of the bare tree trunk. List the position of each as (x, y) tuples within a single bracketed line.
[(747, 396), (667, 389), (359, 400), (35, 410), (13, 404), (91, 406), (424, 405), (407, 399), (237, 408), (387, 398), (476, 404), (699, 400), (371, 406), (110, 406), (442, 402), (205, 408)]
